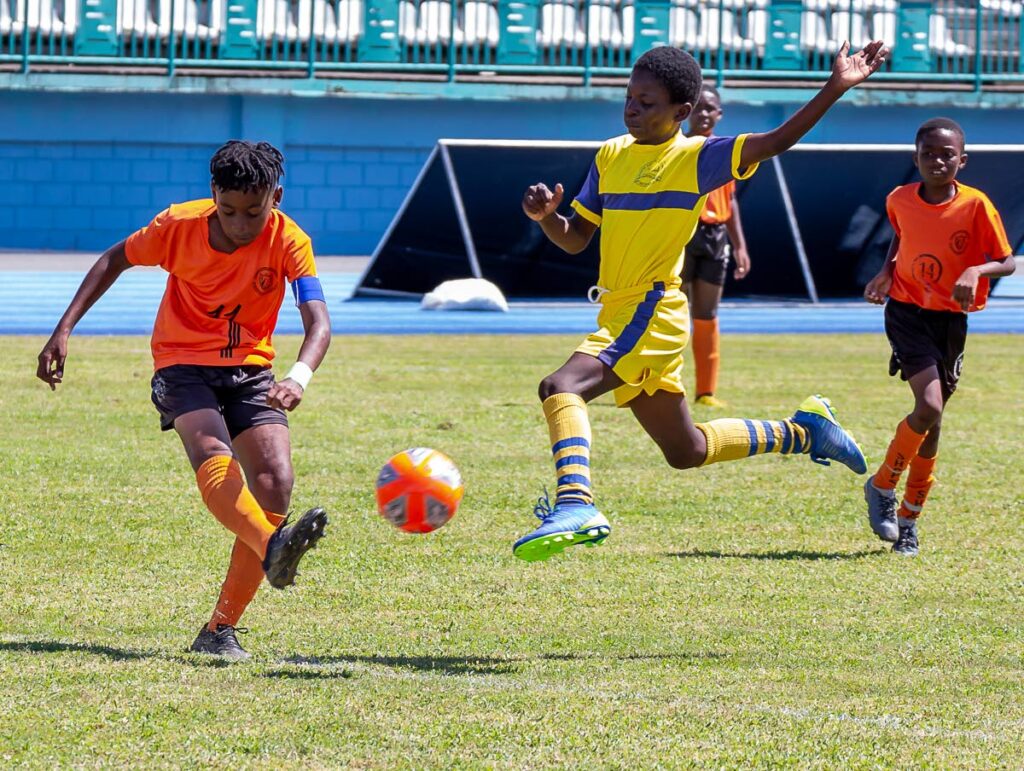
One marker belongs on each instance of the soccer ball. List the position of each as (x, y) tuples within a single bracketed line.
[(419, 490)]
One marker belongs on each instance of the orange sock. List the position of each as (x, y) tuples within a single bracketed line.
[(227, 497), (902, 449), (705, 354), (919, 482), (245, 574)]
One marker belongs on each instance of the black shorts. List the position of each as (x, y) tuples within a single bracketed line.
[(238, 393), (707, 255), (921, 338)]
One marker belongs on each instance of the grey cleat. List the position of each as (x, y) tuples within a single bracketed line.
[(882, 511), (223, 643), (287, 545), (906, 544)]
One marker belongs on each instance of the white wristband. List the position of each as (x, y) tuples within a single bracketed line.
[(301, 374)]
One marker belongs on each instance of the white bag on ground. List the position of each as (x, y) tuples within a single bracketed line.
[(465, 294)]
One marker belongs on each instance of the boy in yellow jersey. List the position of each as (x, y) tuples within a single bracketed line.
[(949, 241), (646, 190), (707, 258), (228, 258)]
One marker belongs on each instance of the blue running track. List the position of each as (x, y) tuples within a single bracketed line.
[(31, 302)]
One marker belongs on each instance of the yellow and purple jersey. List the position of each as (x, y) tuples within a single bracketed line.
[(648, 199)]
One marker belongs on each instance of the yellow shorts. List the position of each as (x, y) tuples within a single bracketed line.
[(642, 336)]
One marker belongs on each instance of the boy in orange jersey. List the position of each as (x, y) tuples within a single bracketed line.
[(707, 258), (949, 242), (228, 259)]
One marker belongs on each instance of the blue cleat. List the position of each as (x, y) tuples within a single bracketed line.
[(561, 527), (829, 441)]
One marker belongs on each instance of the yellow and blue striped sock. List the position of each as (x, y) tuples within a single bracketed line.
[(569, 429), (735, 438)]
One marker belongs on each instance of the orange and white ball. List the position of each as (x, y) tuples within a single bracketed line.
[(419, 490)]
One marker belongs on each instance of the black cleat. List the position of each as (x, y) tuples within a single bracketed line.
[(289, 543), (906, 544), (222, 643)]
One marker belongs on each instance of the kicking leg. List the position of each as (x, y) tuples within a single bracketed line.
[(264, 453), (573, 520), (206, 440), (812, 430)]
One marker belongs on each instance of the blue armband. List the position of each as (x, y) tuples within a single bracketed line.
[(307, 288)]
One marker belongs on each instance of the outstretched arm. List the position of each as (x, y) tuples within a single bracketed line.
[(316, 324), (847, 72), (571, 234), (111, 264)]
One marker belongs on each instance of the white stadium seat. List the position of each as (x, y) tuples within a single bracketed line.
[(814, 32), (559, 26), (683, 27), (276, 20), (334, 21), (480, 24), (603, 26), (940, 37), (434, 22)]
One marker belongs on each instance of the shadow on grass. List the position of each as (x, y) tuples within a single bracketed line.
[(328, 666), (109, 651), (792, 554), (54, 646)]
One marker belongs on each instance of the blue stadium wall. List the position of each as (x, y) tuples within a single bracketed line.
[(79, 171)]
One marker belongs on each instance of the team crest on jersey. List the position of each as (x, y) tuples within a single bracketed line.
[(649, 173), (958, 243), (927, 268), (265, 280)]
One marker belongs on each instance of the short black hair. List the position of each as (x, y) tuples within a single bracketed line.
[(246, 166), (940, 124), (676, 70), (708, 88)]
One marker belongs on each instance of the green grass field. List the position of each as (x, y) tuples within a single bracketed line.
[(742, 615)]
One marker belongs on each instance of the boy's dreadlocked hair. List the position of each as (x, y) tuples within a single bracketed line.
[(676, 70), (246, 166)]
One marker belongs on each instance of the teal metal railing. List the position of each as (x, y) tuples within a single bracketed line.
[(976, 43)]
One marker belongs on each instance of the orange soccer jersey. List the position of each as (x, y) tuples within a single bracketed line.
[(718, 208), (939, 241), (218, 309)]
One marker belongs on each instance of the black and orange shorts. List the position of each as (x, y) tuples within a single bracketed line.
[(238, 393), (921, 338)]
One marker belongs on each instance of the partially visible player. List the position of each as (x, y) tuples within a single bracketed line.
[(949, 242), (706, 261), (646, 190), (228, 258)]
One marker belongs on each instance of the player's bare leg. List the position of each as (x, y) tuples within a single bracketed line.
[(574, 519)]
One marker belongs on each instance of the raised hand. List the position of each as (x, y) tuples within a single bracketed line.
[(848, 71), (539, 202)]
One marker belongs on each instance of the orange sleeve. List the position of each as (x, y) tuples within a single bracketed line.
[(890, 209), (151, 245), (299, 261), (995, 243)]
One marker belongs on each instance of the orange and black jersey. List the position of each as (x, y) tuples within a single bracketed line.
[(218, 309)]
